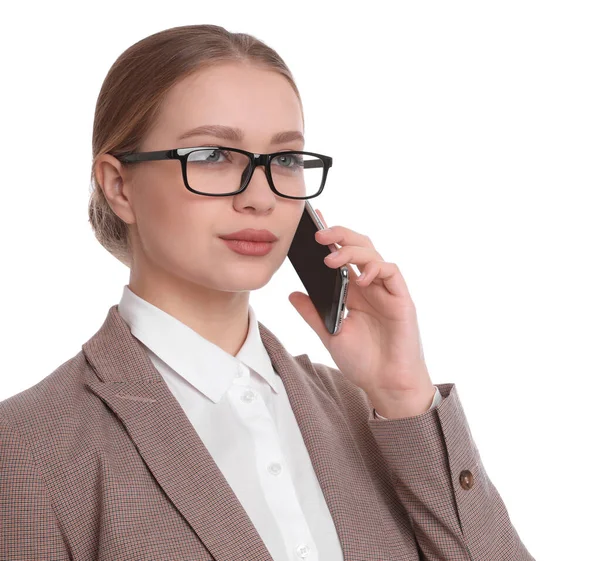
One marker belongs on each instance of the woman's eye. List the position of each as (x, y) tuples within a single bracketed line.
[(211, 155), (289, 161)]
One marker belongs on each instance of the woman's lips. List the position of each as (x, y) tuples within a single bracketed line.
[(245, 247)]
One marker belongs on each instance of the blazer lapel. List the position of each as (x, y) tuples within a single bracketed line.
[(135, 391), (336, 459)]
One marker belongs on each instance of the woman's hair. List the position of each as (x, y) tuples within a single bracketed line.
[(134, 89)]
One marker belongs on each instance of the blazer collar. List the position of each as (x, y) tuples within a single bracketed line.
[(130, 385)]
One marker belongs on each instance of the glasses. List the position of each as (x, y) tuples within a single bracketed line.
[(220, 171)]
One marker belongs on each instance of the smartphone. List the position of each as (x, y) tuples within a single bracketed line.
[(327, 287)]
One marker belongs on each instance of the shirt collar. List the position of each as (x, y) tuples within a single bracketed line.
[(202, 363)]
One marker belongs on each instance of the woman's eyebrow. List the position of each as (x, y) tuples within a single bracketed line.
[(235, 134)]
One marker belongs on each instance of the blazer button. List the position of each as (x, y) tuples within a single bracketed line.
[(466, 479)]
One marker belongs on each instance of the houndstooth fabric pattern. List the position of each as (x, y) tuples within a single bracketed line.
[(99, 462)]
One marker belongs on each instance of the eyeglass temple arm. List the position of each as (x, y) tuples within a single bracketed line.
[(313, 164), (147, 156)]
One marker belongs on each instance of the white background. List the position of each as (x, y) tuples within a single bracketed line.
[(465, 139)]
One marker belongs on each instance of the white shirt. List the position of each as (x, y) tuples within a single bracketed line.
[(240, 410)]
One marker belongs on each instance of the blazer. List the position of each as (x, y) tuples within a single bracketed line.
[(99, 461), (239, 408)]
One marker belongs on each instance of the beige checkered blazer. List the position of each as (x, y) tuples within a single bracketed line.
[(99, 461)]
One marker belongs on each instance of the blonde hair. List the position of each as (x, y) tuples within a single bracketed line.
[(132, 93)]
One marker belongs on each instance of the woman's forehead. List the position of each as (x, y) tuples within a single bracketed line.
[(258, 111)]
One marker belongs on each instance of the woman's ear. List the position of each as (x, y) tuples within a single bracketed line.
[(111, 177)]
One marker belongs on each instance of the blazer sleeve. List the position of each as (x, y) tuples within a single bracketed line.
[(438, 476), (28, 526)]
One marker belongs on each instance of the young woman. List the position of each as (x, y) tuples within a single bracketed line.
[(183, 429)]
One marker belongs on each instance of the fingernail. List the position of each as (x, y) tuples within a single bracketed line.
[(332, 254)]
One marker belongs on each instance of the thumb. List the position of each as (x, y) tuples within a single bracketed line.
[(305, 307)]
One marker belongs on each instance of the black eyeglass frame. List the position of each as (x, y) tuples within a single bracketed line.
[(182, 154)]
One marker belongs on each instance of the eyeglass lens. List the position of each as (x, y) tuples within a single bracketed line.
[(215, 171)]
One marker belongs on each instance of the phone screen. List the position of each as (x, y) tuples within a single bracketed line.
[(325, 285)]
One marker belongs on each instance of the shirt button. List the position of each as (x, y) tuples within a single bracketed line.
[(240, 371), (274, 468), (302, 551), (248, 396), (466, 479)]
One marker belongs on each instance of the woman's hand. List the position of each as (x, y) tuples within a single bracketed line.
[(378, 347)]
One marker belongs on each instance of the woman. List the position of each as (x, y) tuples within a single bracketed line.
[(184, 429)]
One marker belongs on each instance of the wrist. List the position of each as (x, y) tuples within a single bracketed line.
[(406, 404)]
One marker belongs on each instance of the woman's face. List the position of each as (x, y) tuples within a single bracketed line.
[(175, 233)]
